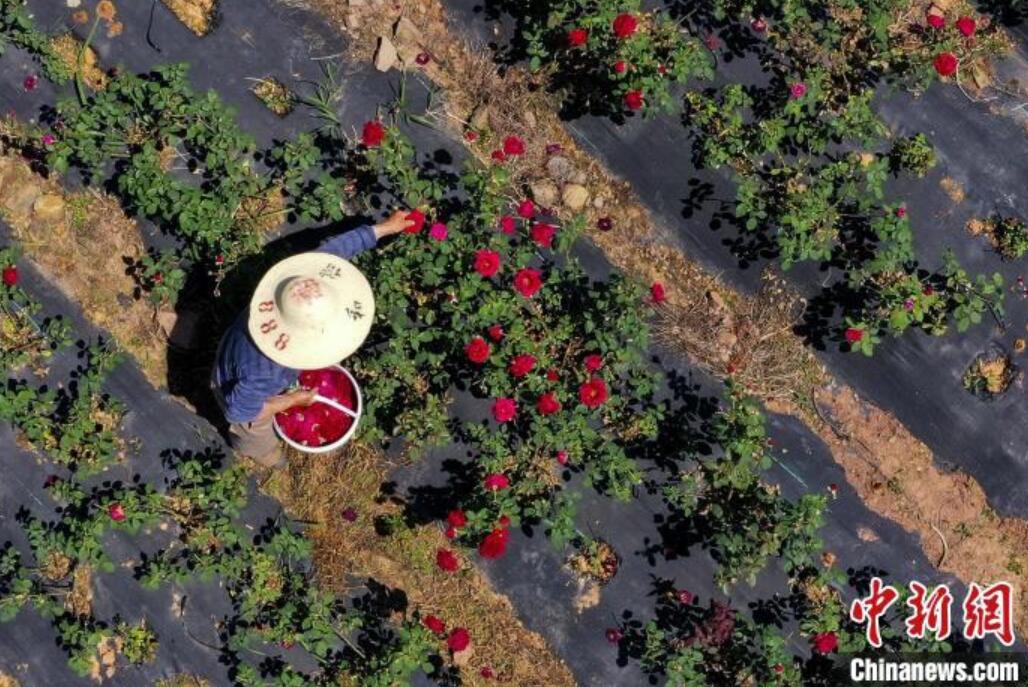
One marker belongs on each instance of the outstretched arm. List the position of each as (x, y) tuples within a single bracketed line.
[(356, 241)]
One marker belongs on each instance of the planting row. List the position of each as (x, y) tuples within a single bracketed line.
[(786, 139)]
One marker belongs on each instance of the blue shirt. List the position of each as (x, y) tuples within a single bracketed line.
[(245, 376)]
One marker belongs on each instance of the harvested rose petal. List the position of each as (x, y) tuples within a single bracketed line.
[(30, 82), (423, 58)]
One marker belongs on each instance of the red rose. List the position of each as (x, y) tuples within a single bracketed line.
[(542, 233), (928, 291), (487, 262), (10, 276), (451, 533), (966, 26), (504, 409), (779, 668), (504, 521), (527, 282), (434, 624), (487, 672), (508, 224), (456, 518), (577, 37), (470, 136), (494, 544), (496, 333), (593, 393), (512, 145), (552, 375), (825, 643), (613, 635), (685, 597), (634, 100), (620, 67), (758, 25), (562, 457), (498, 156), (936, 21), (548, 404), (593, 362), (625, 25), (946, 64), (854, 335), (447, 560), (657, 293), (373, 134), (496, 482), (418, 217), (798, 90), (901, 212), (522, 364), (526, 209), (459, 640), (115, 512), (478, 350)]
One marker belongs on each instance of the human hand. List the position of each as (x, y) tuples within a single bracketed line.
[(302, 397), (396, 224)]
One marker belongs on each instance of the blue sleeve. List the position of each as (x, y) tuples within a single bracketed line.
[(350, 243), (245, 399)]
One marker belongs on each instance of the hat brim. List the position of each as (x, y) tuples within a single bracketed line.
[(312, 348)]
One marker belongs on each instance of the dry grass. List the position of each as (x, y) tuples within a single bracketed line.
[(319, 489), (198, 15), (68, 48)]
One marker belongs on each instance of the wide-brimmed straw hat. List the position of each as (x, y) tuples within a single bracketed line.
[(311, 310)]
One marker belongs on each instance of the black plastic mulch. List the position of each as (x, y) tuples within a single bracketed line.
[(917, 377), (256, 39)]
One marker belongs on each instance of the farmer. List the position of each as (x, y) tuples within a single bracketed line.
[(309, 311)]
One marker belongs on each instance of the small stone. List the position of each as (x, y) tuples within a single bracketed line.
[(406, 34), (385, 56), (49, 208), (575, 196), (530, 119), (599, 202), (544, 193), (559, 168)]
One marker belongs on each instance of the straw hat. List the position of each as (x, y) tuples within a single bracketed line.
[(311, 311)]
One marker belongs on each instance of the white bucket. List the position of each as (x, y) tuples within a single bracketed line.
[(355, 414)]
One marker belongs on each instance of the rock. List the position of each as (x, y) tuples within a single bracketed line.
[(480, 117), (580, 178), (408, 53), (406, 34), (385, 56), (530, 119), (545, 193), (575, 196), (599, 202), (49, 208), (559, 168), (352, 20), (22, 198)]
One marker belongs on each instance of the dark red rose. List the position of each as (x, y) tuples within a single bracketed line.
[(577, 37), (614, 635), (593, 362), (605, 224), (779, 668), (350, 514), (459, 640), (553, 148), (562, 457), (30, 82), (423, 58), (927, 291), (418, 217), (661, 69), (498, 156), (504, 521), (685, 597), (634, 100), (447, 560), (528, 281), (936, 21), (508, 225), (542, 233), (825, 643), (854, 335), (504, 409), (966, 26), (496, 482), (512, 145), (158, 278), (657, 293), (434, 624), (457, 518), (10, 276), (373, 134), (470, 136), (593, 393), (487, 672), (494, 544), (487, 262), (526, 209), (496, 333), (548, 404), (219, 259), (758, 25), (451, 533), (552, 375), (522, 364), (116, 512), (478, 350), (620, 66), (946, 64), (625, 25)]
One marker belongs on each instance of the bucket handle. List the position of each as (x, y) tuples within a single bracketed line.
[(337, 405)]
